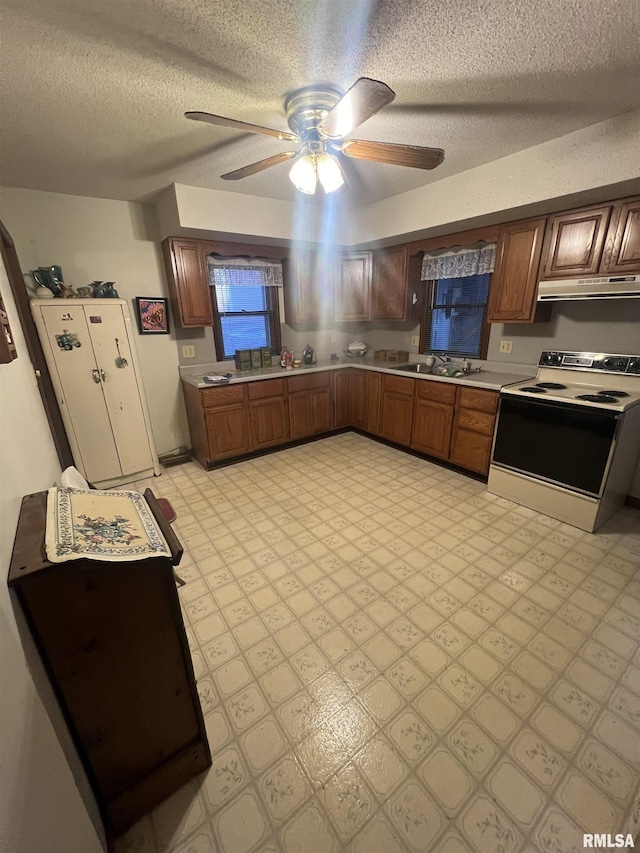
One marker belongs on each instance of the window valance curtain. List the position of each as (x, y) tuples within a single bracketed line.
[(247, 272), (459, 262)]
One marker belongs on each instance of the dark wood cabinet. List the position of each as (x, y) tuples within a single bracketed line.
[(218, 422), (473, 428), (622, 250), (303, 279), (309, 405), (433, 418), (188, 281), (514, 283), (341, 398), (389, 284), (373, 402), (353, 287), (113, 643), (574, 242), (397, 409), (350, 399), (268, 414)]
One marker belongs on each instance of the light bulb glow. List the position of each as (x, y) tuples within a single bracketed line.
[(303, 175), (330, 174)]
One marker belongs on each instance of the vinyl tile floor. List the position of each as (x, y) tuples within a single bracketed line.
[(391, 659)]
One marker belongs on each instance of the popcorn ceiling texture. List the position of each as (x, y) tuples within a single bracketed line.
[(94, 90)]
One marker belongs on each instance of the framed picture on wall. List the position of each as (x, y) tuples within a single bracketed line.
[(153, 315)]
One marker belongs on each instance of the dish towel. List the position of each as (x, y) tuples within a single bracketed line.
[(96, 525)]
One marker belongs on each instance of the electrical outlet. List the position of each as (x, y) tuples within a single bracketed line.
[(332, 339), (415, 341), (506, 346), (188, 352)]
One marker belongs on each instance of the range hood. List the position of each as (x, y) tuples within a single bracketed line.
[(607, 287)]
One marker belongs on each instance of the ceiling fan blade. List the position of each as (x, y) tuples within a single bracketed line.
[(363, 100), (240, 125), (259, 166), (415, 156)]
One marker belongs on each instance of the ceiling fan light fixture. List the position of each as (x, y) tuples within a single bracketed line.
[(330, 173), (303, 174)]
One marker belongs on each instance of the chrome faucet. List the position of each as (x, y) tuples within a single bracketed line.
[(444, 358)]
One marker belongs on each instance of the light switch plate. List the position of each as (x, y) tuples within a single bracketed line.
[(415, 341), (188, 352), (506, 346)]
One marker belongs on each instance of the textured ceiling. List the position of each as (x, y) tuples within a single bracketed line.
[(95, 90)]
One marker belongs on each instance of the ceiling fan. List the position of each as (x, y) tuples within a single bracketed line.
[(319, 118)]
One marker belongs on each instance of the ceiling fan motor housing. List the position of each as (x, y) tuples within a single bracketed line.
[(307, 107)]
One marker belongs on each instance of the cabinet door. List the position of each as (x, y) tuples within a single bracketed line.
[(432, 424), (79, 389), (470, 450), (300, 425), (301, 282), (228, 431), (121, 389), (188, 281), (514, 284), (373, 402), (353, 287), (269, 422), (389, 284), (574, 242), (622, 254), (341, 395), (397, 415), (358, 411), (320, 404)]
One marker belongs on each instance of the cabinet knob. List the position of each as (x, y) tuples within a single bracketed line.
[(96, 376)]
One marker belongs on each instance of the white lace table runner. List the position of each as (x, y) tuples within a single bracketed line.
[(108, 526)]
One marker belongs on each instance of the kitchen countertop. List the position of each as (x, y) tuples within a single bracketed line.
[(489, 378)]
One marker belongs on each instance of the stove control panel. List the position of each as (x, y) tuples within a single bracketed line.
[(591, 361)]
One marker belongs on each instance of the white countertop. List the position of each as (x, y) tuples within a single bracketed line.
[(489, 377)]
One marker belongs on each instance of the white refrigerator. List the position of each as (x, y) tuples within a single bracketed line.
[(90, 350)]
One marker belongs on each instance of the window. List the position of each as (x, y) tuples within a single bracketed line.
[(455, 315), (245, 305)]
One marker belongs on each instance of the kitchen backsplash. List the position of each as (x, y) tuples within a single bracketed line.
[(599, 326)]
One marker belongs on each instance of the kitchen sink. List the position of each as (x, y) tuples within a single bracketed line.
[(419, 367)]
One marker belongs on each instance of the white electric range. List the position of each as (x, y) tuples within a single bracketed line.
[(567, 441)]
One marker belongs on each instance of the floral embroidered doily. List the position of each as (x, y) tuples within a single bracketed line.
[(113, 525)]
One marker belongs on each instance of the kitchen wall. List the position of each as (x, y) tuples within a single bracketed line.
[(40, 807), (109, 240)]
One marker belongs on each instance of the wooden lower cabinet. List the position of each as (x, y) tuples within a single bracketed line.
[(440, 419), (309, 405), (397, 409), (473, 429), (268, 414), (228, 431)]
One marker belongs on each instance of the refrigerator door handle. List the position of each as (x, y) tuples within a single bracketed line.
[(96, 376)]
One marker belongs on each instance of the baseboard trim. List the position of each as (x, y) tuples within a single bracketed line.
[(632, 501)]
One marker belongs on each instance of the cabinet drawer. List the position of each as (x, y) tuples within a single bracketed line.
[(475, 421), (309, 382), (265, 388), (398, 384), (221, 396), (474, 398), (441, 392)]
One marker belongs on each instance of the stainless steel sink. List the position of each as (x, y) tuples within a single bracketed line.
[(419, 367)]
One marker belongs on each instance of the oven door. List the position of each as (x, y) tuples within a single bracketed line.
[(561, 443)]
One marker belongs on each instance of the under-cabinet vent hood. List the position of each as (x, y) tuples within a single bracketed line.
[(607, 287)]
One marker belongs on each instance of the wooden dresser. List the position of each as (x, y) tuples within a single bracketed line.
[(113, 643)]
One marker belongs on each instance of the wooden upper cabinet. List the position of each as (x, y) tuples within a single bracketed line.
[(574, 242), (353, 287), (188, 280), (514, 284), (622, 251), (301, 282), (389, 284)]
